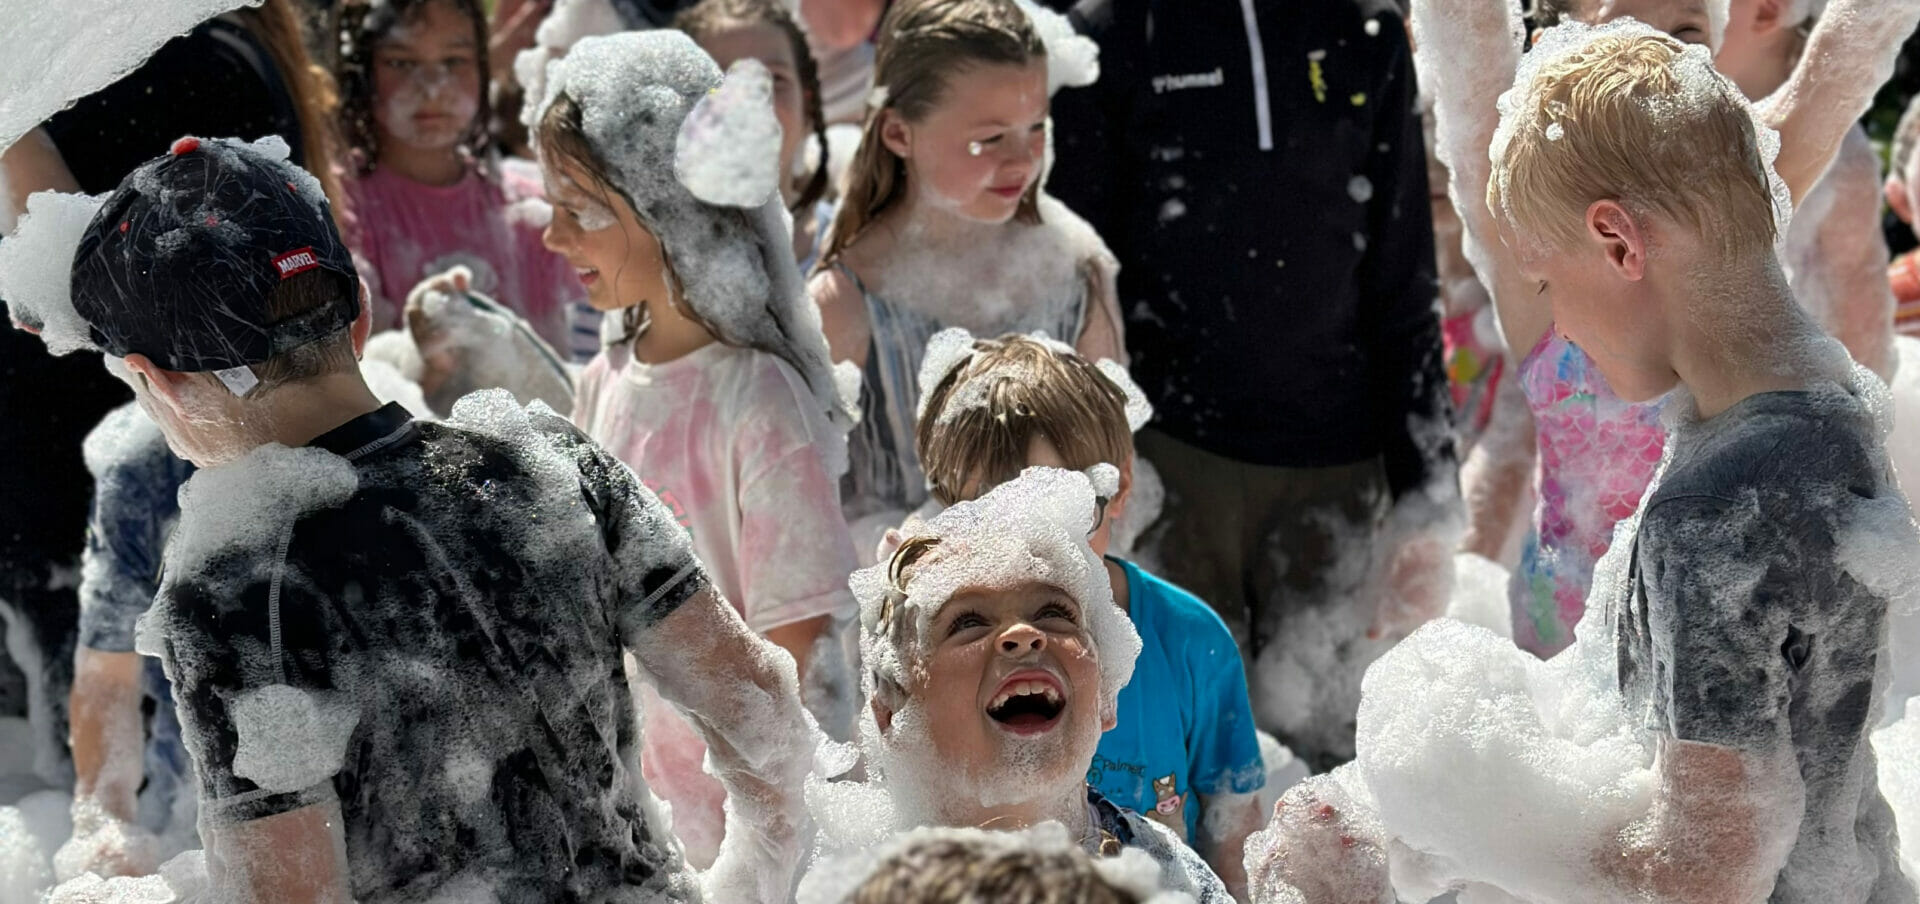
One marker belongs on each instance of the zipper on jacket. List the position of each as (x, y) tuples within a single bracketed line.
[(1262, 110)]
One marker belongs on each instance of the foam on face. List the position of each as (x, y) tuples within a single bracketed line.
[(1031, 529)]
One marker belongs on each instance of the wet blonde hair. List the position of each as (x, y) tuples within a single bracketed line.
[(1636, 119), (923, 46)]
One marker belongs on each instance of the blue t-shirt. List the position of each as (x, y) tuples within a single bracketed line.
[(1185, 726)]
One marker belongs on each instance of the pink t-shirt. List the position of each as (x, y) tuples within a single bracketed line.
[(726, 438), (404, 231)]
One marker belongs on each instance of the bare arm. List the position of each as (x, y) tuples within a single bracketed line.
[(1853, 252), (297, 857), (1847, 58), (1102, 335), (1225, 822), (33, 164), (106, 732), (1719, 831), (1498, 471), (843, 315), (742, 695), (798, 638), (1467, 52)]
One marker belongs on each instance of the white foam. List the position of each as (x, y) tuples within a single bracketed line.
[(728, 152), (1073, 60), (290, 739), (36, 268), (58, 53)]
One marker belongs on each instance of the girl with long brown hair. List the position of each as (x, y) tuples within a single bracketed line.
[(943, 223)]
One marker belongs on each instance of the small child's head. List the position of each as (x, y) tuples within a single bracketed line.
[(1903, 175), (1762, 35), (958, 116), (1041, 865), (1689, 21), (414, 76), (995, 654), (1630, 179), (996, 407), (765, 30), (215, 276)]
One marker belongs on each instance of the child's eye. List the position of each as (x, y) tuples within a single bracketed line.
[(1690, 35), (1054, 610), (965, 621)]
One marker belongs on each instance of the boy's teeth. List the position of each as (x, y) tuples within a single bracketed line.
[(1019, 688)]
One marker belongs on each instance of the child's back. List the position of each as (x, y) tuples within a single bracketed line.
[(457, 624), (1755, 615)]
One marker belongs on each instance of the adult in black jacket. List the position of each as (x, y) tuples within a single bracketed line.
[(1258, 169)]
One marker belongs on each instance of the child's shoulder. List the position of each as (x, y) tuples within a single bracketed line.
[(1172, 610)]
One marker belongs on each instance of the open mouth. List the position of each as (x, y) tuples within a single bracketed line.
[(1028, 704), (587, 275)]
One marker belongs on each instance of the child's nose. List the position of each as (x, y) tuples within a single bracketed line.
[(1022, 639)]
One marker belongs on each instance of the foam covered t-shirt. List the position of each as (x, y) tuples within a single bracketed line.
[(1185, 726), (727, 439), (465, 609), (404, 231), (1751, 624)]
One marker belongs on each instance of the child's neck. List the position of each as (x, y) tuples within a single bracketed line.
[(926, 221), (1068, 808), (671, 336), (438, 167), (1757, 341), (299, 414)]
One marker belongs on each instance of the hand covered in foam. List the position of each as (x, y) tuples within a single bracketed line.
[(728, 152), (1319, 849), (105, 845)]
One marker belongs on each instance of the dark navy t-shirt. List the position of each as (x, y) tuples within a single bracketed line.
[(1752, 622), (466, 609)]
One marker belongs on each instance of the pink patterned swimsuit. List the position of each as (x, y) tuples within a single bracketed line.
[(1597, 455)]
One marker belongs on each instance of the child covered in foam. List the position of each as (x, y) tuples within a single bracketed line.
[(1707, 737), (994, 659)]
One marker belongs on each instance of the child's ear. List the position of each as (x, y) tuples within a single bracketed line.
[(1109, 716), (1897, 199), (164, 385), (362, 322), (1618, 234), (1117, 506), (1768, 16), (895, 134), (882, 715)]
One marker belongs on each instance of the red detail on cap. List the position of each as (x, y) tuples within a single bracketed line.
[(186, 145), (212, 222), (294, 262), (125, 225)]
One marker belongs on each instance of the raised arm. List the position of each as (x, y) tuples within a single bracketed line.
[(1847, 58), (742, 695), (1467, 52)]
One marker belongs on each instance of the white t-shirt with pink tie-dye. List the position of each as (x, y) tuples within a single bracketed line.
[(726, 438)]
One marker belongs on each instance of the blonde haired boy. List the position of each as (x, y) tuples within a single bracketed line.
[(1635, 190), (1184, 752)]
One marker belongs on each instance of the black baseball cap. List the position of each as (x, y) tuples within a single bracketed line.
[(182, 257)]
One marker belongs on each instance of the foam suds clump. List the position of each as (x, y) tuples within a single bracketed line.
[(1073, 60), (1898, 748), (290, 739), (58, 53), (252, 499), (728, 152), (36, 268)]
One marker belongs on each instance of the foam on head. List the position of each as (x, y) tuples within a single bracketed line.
[(1032, 529), (956, 865), (1623, 112), (730, 255)]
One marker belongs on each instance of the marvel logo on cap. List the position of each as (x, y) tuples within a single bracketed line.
[(294, 262)]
